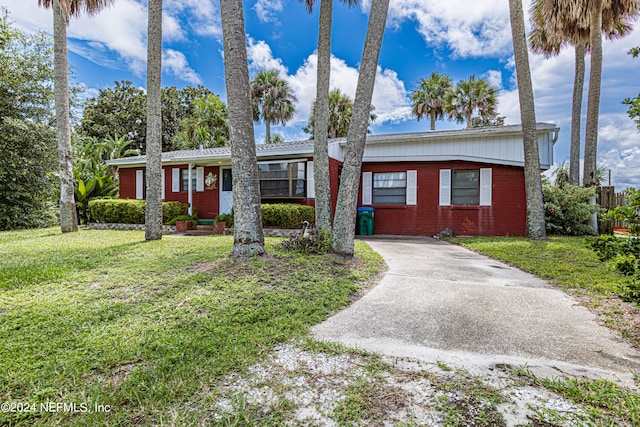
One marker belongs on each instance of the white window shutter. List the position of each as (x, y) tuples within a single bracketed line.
[(175, 180), (163, 193), (139, 184), (412, 187), (485, 187), (445, 187), (367, 188), (311, 182), (200, 178)]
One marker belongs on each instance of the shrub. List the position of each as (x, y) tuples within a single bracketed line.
[(567, 209), (171, 210), (130, 211), (318, 241), (185, 217), (228, 218), (624, 254), (286, 215)]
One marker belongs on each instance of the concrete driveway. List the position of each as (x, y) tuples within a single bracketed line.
[(442, 302)]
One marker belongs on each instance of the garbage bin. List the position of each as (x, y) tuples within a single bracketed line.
[(365, 221)]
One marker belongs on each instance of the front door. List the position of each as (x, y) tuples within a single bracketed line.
[(226, 193)]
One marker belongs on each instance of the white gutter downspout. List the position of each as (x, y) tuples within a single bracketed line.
[(190, 192)]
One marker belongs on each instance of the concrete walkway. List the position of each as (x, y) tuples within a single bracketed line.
[(442, 302)]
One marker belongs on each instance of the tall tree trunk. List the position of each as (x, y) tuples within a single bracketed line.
[(345, 219), (593, 100), (267, 137), (68, 214), (321, 177), (153, 213), (536, 228), (576, 112), (469, 120), (248, 235), (432, 115)]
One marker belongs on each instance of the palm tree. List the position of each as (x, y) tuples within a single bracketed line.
[(469, 96), (428, 98), (247, 222), (272, 100), (321, 112), (536, 226), (549, 35), (340, 112), (153, 211), (343, 232), (62, 10)]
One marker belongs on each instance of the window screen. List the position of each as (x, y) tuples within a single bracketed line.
[(389, 188), (465, 187)]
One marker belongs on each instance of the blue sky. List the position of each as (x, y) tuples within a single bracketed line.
[(457, 38)]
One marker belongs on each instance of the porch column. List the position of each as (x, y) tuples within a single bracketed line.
[(190, 192)]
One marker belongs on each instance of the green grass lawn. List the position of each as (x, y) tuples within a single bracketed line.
[(145, 329)]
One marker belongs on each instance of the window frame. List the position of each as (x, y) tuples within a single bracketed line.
[(184, 179), (291, 180), (460, 188), (376, 198)]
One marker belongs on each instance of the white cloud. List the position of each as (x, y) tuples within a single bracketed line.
[(266, 10), (389, 96), (122, 29), (176, 64), (470, 28), (261, 57), (201, 16)]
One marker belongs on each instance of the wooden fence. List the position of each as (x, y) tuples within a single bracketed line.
[(608, 199)]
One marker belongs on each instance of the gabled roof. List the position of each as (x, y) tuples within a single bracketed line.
[(305, 148)]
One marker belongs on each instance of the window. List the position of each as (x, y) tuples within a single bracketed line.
[(227, 180), (465, 187), (185, 179), (390, 188), (283, 180)]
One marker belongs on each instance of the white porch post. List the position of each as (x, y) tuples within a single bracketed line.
[(190, 192)]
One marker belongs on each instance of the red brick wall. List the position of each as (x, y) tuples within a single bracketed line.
[(205, 203), (506, 216), (128, 183)]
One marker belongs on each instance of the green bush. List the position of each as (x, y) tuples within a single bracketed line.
[(286, 215), (130, 211), (280, 215), (228, 218), (567, 209)]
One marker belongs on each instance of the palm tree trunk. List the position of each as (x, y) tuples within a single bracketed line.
[(345, 218), (321, 129), (593, 100), (68, 214), (267, 138), (432, 115), (469, 121), (536, 228), (153, 213), (248, 235), (576, 112)]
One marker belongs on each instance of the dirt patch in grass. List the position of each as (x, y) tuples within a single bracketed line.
[(298, 385)]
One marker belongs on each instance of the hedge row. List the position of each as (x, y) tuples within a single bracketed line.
[(130, 211), (287, 215)]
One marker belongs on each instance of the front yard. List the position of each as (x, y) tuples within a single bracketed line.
[(102, 328), (125, 332)]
